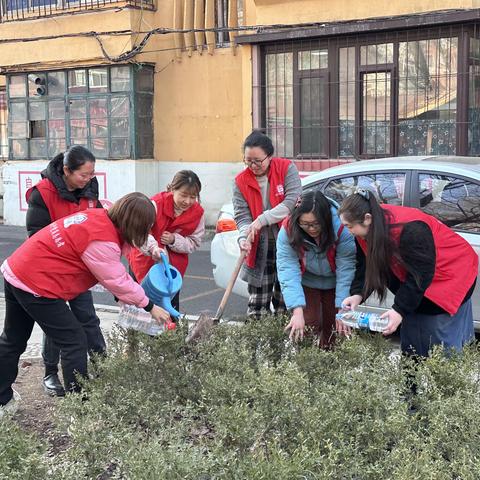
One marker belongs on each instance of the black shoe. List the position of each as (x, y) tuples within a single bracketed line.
[(53, 386)]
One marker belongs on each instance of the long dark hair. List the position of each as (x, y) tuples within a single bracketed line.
[(380, 248), (311, 202)]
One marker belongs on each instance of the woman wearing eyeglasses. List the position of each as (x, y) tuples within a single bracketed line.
[(431, 270), (263, 195), (316, 265)]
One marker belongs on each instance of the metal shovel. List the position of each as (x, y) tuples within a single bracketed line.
[(205, 322)]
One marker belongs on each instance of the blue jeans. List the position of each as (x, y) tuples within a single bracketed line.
[(420, 332), (84, 311)]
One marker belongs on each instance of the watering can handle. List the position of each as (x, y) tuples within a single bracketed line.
[(167, 271)]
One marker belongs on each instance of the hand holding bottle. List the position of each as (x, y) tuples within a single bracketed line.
[(352, 302), (394, 321), (160, 315)]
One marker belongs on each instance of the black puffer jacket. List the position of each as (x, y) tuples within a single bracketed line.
[(38, 215)]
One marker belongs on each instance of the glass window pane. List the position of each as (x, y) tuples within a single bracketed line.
[(38, 129), (144, 125), (98, 80), (145, 146), (475, 48), (120, 147), (37, 84), (17, 86), (427, 100), (78, 108), (56, 129), (144, 105), (78, 128), (120, 106), (99, 127), (312, 59), (346, 112), (387, 187), (18, 111), (38, 148), (313, 111), (56, 110), (279, 102), (79, 141), (55, 146), (18, 129), (144, 79), (56, 83), (19, 148), (120, 79), (77, 81), (376, 113), (98, 107), (99, 147), (454, 201), (119, 127), (37, 110), (474, 111), (376, 54)]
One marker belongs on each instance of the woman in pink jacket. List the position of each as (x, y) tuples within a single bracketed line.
[(58, 263)]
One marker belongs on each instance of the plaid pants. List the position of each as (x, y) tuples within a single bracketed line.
[(261, 299)]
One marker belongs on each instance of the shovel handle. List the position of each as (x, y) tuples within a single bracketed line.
[(230, 285)]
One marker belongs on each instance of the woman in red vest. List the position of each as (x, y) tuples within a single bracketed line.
[(263, 195), (315, 265), (179, 226), (68, 185), (57, 264), (431, 270)]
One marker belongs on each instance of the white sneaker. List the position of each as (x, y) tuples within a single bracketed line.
[(12, 406)]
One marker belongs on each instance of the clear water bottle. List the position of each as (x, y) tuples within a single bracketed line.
[(358, 319)]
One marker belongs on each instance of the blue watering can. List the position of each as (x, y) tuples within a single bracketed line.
[(161, 284)]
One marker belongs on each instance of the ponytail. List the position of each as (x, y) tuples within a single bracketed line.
[(379, 244)]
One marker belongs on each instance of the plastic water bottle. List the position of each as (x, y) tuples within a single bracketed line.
[(140, 320), (358, 319)]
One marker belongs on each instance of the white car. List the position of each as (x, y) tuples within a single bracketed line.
[(445, 187)]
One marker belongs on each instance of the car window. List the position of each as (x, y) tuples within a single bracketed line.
[(454, 201), (387, 187)]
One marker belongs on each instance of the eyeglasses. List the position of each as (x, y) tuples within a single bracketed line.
[(309, 226), (254, 161)]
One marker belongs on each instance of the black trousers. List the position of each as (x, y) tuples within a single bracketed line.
[(56, 320), (83, 309)]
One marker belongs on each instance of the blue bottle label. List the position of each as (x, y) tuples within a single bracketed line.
[(363, 320)]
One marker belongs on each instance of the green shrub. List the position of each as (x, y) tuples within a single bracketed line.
[(247, 404), (20, 454)]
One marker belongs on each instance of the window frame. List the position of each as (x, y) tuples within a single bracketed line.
[(67, 97), (415, 190), (462, 32), (407, 187)]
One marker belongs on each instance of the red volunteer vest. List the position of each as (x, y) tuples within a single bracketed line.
[(456, 265), (185, 224), (57, 206), (331, 252), (249, 188), (49, 262)]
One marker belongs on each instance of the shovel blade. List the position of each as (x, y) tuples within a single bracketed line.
[(201, 329)]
